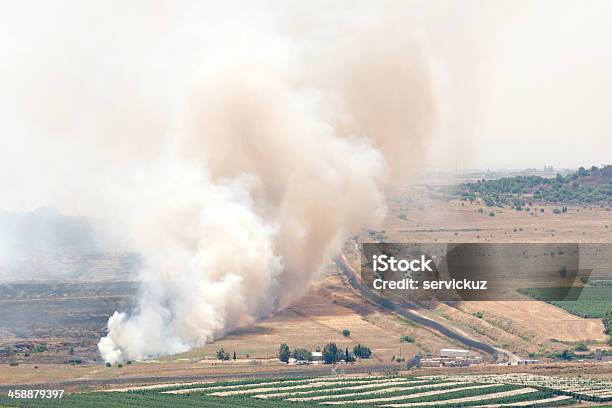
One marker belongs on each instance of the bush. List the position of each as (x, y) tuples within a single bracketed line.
[(302, 354), (223, 355), (478, 314), (119, 365), (13, 364), (362, 351), (330, 353), (40, 348), (108, 364), (346, 332), (556, 211), (581, 347), (407, 339), (563, 355), (283, 353), (491, 214)]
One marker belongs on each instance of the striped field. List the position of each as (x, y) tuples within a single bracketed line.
[(343, 391)]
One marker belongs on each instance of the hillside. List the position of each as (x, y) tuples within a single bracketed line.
[(585, 186)]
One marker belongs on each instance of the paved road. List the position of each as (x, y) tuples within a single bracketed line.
[(414, 315)]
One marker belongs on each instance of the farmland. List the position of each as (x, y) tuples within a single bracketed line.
[(348, 391), (592, 302)]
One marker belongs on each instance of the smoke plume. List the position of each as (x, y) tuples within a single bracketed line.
[(233, 147)]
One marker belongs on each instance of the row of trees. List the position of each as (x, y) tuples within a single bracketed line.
[(331, 353), (299, 354)]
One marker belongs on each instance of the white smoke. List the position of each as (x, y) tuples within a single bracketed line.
[(232, 146)]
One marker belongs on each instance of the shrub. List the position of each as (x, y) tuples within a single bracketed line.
[(108, 364), (222, 354), (491, 214), (581, 347), (302, 354), (13, 364), (407, 339), (563, 355), (40, 348), (283, 353), (346, 332), (478, 314), (119, 365)]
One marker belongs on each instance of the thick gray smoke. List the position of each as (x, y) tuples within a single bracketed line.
[(233, 147)]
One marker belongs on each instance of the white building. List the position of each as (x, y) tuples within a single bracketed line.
[(453, 353)]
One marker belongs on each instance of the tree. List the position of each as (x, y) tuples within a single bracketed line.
[(347, 357), (346, 332), (222, 354), (362, 351), (607, 322), (234, 355), (330, 353), (283, 353), (302, 354)]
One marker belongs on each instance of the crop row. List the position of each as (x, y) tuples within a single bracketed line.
[(578, 387)]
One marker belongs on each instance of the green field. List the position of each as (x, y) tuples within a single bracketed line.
[(344, 391), (592, 302)]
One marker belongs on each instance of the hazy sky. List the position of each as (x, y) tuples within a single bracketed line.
[(545, 86), (526, 83)]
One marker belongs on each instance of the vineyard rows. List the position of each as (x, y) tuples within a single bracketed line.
[(518, 390)]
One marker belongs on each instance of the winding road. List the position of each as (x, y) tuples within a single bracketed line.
[(413, 314)]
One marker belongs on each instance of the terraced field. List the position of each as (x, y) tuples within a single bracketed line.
[(344, 391)]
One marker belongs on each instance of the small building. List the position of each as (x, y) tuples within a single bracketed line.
[(430, 362), (527, 362), (453, 353), (317, 356)]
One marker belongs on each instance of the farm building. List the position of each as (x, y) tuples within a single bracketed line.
[(453, 353)]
